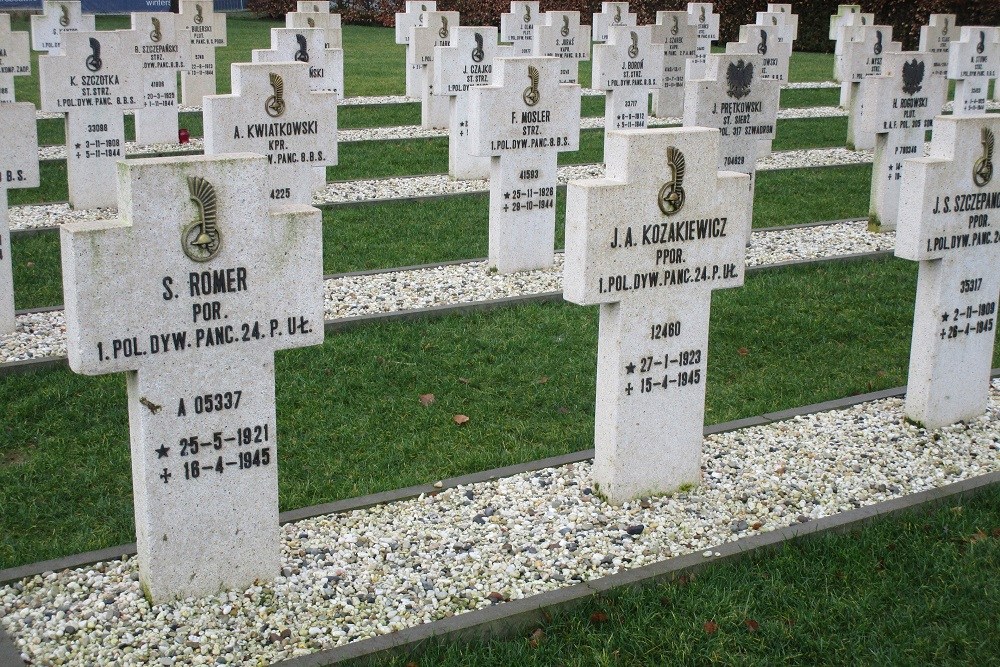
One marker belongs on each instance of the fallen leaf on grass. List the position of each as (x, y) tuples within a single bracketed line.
[(743, 351), (426, 399), (563, 410), (710, 627), (598, 617), (752, 625), (996, 532), (536, 638), (543, 379), (464, 380), (411, 664), (460, 419), (977, 537)]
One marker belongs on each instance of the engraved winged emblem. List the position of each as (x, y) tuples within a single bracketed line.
[(762, 47), (94, 62), (675, 28), (564, 31), (864, 21), (64, 17), (201, 238), (275, 104), (981, 46), (198, 18), (633, 50), (311, 22), (982, 170), (739, 76), (477, 52), (774, 20), (618, 13), (701, 17), (315, 8), (671, 195), (913, 76), (443, 30), (527, 14), (878, 42), (531, 95), (302, 55), (944, 30), (155, 35)]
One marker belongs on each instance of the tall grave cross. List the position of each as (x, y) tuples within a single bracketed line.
[(524, 120), (679, 40), (649, 243), (518, 26), (611, 14), (424, 40), (781, 15), (935, 38), (163, 48), (627, 67), (93, 80), (15, 58), (842, 27), (899, 106), (701, 16), (273, 112), (58, 17), (949, 222), (208, 31), (307, 45), (308, 15), (411, 18), (561, 36), (467, 63), (973, 59), (863, 55), (190, 293), (18, 169)]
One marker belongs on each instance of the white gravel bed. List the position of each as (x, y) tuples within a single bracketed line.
[(371, 572)]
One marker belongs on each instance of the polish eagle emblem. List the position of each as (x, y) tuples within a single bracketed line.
[(913, 76), (739, 76)]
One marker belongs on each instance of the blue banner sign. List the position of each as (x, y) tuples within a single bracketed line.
[(120, 6)]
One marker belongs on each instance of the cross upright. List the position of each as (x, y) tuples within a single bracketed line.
[(470, 61), (208, 31), (272, 111), (524, 119), (15, 58), (627, 66), (190, 293), (781, 15), (649, 243), (611, 14), (58, 17), (842, 27), (19, 160), (316, 15), (307, 45), (949, 222), (411, 18), (93, 80), (973, 59), (702, 16), (863, 53), (424, 40), (679, 40), (518, 25), (163, 48), (561, 36), (899, 106)]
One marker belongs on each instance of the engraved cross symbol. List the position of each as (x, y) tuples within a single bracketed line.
[(165, 475)]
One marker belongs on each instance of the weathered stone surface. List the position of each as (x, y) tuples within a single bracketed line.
[(163, 48), (701, 16), (561, 36), (307, 45), (411, 18), (517, 27), (611, 14), (973, 60), (208, 31), (309, 15), (424, 39), (15, 58), (679, 40), (58, 17)]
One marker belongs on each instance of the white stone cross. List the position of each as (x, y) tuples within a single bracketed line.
[(524, 120), (561, 36), (163, 48), (307, 45), (468, 62), (611, 14), (935, 38), (627, 66), (411, 18), (18, 169), (701, 15), (190, 293), (424, 40), (316, 15), (899, 106), (517, 27), (208, 31), (784, 16), (679, 40), (93, 80), (57, 18), (949, 221), (273, 112), (863, 53), (15, 58), (842, 28), (973, 59), (649, 243)]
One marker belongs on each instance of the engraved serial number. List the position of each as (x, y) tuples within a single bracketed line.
[(665, 330), (970, 285), (229, 400)]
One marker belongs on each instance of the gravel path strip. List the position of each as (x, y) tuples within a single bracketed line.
[(371, 572)]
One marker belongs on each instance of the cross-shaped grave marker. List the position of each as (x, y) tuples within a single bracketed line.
[(208, 31), (561, 36), (93, 80), (626, 67), (18, 169), (518, 26), (649, 243), (842, 27), (935, 38), (780, 15), (701, 15), (190, 293), (273, 112), (315, 15), (863, 53), (973, 59), (307, 45), (611, 14), (524, 120), (424, 40), (58, 17), (469, 61), (411, 18), (899, 106), (949, 221), (15, 58), (163, 48), (679, 40)]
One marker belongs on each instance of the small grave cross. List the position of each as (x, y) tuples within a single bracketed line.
[(58, 17), (780, 15), (679, 40), (18, 169), (190, 293), (842, 28), (424, 40), (701, 16), (561, 36), (310, 15), (411, 18), (649, 243), (208, 31), (935, 38), (307, 45), (611, 14), (973, 59), (863, 54), (15, 58), (163, 48), (518, 26)]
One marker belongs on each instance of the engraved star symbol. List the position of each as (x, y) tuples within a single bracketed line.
[(630, 369), (944, 318), (77, 146), (506, 195), (161, 453)]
